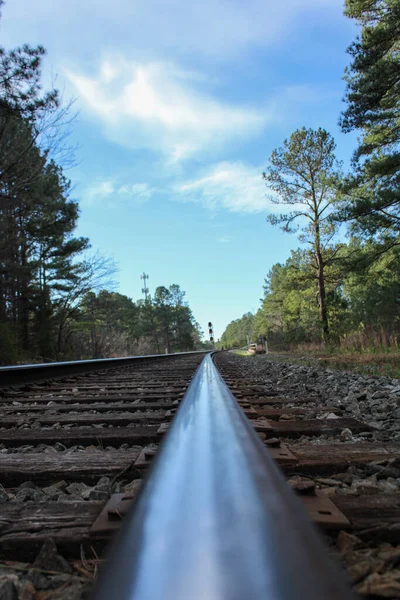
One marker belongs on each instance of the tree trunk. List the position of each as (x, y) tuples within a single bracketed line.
[(168, 346), (323, 315), (23, 299)]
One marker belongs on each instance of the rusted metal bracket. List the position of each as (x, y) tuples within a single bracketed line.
[(163, 428), (321, 510), (145, 458), (282, 455), (112, 515), (170, 414), (249, 410), (263, 426), (325, 513)]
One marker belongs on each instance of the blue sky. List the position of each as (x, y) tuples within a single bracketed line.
[(180, 105)]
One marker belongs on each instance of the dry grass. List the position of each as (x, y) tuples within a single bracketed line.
[(369, 363), (386, 363)]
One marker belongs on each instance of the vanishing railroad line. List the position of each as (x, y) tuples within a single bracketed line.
[(74, 449)]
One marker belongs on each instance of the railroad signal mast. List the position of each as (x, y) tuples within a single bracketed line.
[(145, 289), (210, 331)]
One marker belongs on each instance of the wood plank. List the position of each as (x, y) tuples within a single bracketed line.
[(370, 509), (36, 389), (152, 378), (100, 407), (180, 384), (310, 427), (374, 517), (83, 419), (332, 452), (24, 527), (84, 436), (251, 392), (175, 384), (73, 398), (328, 459), (45, 468), (83, 389), (275, 413), (261, 401)]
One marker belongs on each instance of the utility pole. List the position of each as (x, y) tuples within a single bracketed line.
[(145, 289)]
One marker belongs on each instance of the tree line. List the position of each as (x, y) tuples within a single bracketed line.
[(111, 324), (56, 296), (334, 292)]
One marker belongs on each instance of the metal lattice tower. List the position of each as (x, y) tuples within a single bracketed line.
[(145, 289)]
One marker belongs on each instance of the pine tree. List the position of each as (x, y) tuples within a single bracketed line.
[(373, 98), (301, 175)]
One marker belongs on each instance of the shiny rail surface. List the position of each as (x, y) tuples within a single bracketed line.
[(215, 518), (12, 375)]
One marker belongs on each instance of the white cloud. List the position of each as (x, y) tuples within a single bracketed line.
[(112, 190), (138, 191), (159, 106), (98, 191), (234, 186)]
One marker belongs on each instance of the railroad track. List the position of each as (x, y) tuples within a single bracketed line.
[(358, 477), (71, 443)]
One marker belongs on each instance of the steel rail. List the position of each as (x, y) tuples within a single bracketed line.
[(15, 374), (215, 519)]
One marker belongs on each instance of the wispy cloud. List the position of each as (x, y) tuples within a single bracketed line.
[(138, 191), (98, 190), (234, 186), (162, 107), (113, 190)]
